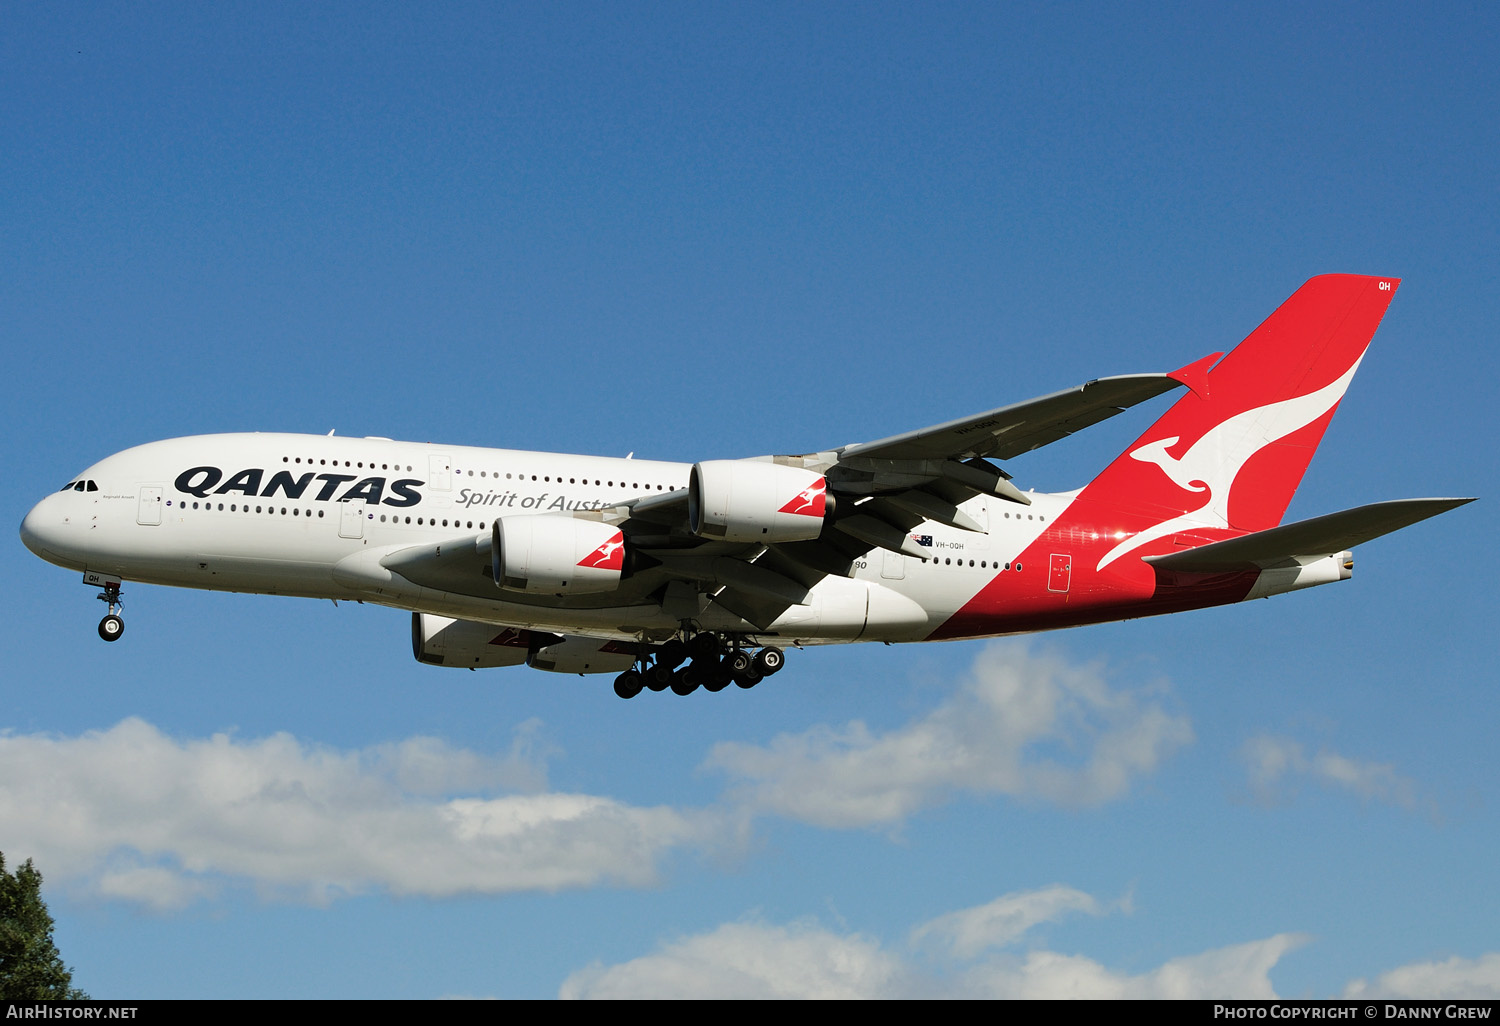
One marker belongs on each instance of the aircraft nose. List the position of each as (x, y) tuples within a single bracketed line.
[(47, 530)]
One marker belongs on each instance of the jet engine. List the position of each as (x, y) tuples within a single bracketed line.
[(445, 642), (553, 555), (573, 654), (753, 501), (442, 641)]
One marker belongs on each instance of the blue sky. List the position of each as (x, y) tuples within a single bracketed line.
[(704, 231)]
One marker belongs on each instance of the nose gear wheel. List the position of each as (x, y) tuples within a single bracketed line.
[(113, 625)]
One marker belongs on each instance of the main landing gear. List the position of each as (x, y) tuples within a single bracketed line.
[(711, 665), (113, 625)]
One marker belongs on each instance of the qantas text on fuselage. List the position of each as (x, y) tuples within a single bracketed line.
[(205, 481), (688, 576)]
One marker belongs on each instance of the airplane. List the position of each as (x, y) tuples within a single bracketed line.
[(684, 576)]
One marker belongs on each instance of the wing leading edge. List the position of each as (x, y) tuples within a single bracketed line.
[(1010, 431)]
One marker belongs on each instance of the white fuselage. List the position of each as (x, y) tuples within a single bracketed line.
[(312, 516)]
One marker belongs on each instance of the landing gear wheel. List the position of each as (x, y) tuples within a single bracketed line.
[(672, 654), (685, 682), (658, 677), (111, 627), (744, 668), (718, 677), (628, 684), (705, 646), (768, 661)]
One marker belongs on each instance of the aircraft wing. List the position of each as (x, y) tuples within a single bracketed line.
[(1009, 431), (883, 489), (1320, 536)]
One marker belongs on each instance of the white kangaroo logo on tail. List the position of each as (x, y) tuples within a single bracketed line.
[(1215, 460)]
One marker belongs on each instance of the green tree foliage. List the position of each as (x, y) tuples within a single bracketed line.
[(30, 967)]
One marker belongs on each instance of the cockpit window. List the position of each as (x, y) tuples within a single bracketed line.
[(78, 487), (68, 487), (92, 487)]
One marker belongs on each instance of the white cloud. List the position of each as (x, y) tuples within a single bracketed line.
[(751, 960), (427, 765), (1023, 724), (755, 959), (970, 931), (131, 813), (1240, 971), (806, 960), (154, 886), (1457, 978), (1272, 761)]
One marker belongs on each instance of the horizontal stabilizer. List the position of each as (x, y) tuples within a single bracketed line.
[(1319, 536)]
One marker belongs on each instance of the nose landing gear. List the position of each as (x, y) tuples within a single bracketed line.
[(113, 625)]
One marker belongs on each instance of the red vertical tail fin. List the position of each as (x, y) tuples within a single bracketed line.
[(1230, 454)]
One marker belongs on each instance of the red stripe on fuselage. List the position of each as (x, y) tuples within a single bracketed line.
[(1017, 601)]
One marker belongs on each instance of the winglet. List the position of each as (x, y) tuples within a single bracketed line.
[(1195, 374)]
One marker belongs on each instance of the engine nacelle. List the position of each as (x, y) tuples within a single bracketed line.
[(573, 654), (444, 642), (752, 501), (549, 555)]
